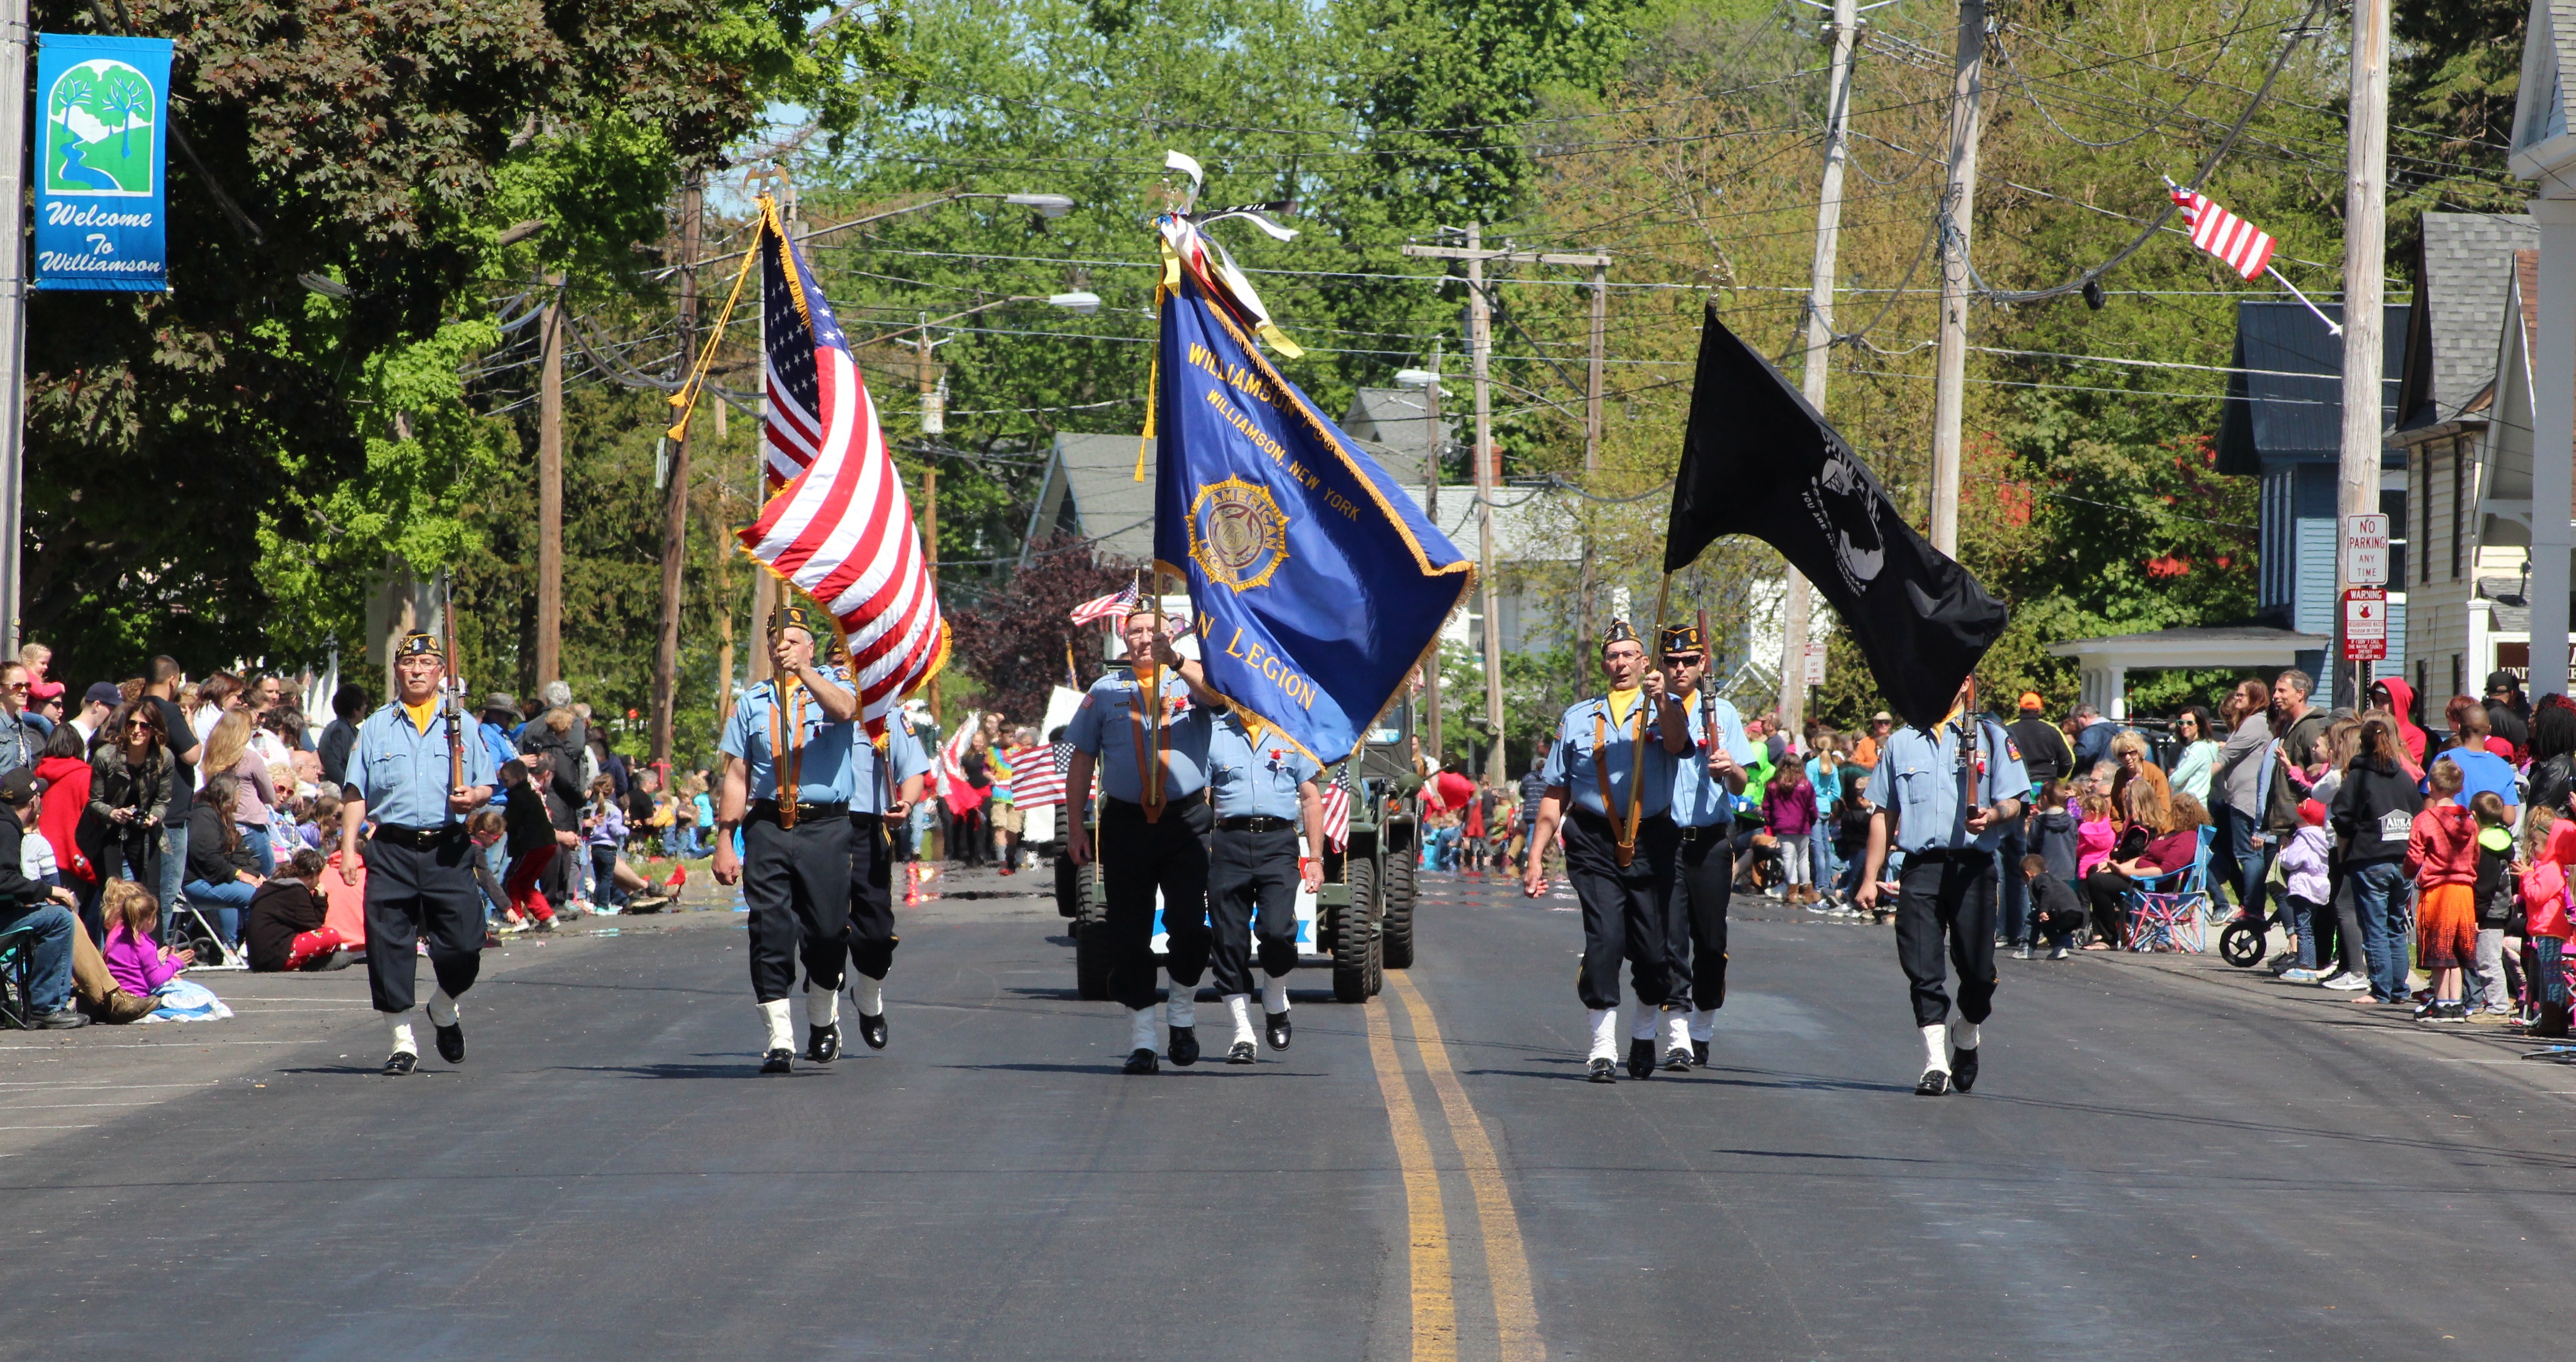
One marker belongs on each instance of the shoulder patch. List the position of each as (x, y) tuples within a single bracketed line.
[(2011, 749)]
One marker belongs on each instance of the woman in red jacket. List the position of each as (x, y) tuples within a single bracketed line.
[(65, 770)]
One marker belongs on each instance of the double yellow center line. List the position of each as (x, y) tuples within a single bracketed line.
[(1434, 1294)]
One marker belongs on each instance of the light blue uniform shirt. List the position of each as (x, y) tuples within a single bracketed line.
[(1107, 727), (402, 772), (866, 792), (823, 747), (1700, 801), (1918, 776), (1248, 779), (1571, 758)]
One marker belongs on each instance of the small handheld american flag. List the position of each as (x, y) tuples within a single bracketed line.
[(1337, 817), (1099, 608)]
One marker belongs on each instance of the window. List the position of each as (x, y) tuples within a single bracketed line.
[(2459, 505), (2392, 504)]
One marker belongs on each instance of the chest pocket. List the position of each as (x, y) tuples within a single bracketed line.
[(389, 771)]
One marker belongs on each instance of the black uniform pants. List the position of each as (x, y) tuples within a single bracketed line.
[(1137, 858), (1940, 897), (797, 882), (1626, 911), (872, 938), (415, 894), (1705, 870), (1250, 871)]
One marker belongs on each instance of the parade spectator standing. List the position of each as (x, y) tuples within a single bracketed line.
[(2306, 886), (2093, 734), (348, 706), (97, 703), (21, 742), (2374, 815), (1865, 753), (186, 745), (2391, 698), (1824, 772), (2481, 771), (2045, 753), (2494, 998), (66, 825), (2442, 854), (533, 845), (2553, 754), (2508, 712), (1789, 812), (2046, 756), (2240, 778), (47, 909), (228, 753), (2195, 754), (131, 790)]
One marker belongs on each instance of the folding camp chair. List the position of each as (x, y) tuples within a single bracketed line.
[(190, 927), (17, 977), (2169, 912)]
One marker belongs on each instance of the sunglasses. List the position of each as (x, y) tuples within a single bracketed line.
[(137, 726)]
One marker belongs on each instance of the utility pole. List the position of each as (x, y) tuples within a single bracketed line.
[(675, 515), (550, 336), (1592, 383), (1431, 447), (1820, 341), (16, 35), (934, 411), (1958, 207), (1480, 347), (2364, 249)]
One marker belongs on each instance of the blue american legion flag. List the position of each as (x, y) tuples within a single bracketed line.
[(1316, 583)]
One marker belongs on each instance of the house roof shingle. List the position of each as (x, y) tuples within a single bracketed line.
[(2463, 266), (2285, 402)]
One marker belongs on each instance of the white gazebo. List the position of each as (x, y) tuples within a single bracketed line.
[(2106, 662)]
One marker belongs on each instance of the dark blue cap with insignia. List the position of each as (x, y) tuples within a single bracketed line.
[(417, 643)]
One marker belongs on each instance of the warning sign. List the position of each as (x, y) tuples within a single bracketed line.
[(2365, 625)]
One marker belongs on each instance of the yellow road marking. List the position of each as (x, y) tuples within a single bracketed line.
[(1435, 1312), (1506, 1261)]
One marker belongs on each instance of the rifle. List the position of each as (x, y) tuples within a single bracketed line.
[(451, 689), (1707, 692)]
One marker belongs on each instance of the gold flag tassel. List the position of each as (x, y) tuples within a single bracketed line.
[(686, 399)]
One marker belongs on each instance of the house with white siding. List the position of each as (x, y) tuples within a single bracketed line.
[(2464, 432)]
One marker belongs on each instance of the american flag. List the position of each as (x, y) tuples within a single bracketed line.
[(953, 788), (1337, 816), (840, 528), (1099, 608), (1035, 778), (2223, 234)]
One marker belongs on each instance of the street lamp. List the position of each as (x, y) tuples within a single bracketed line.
[(1081, 304), (934, 395), (1048, 205)]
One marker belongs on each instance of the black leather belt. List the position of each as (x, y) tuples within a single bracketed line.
[(418, 839), (1255, 822), (1948, 856), (768, 808), (1714, 832)]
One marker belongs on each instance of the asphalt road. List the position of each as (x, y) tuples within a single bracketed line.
[(2164, 1159)]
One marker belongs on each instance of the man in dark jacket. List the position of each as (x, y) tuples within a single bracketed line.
[(2508, 713), (2045, 753), (26, 903)]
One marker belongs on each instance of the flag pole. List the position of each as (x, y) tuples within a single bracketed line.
[(1637, 760), (2284, 281)]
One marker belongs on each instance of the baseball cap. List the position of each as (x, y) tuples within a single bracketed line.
[(103, 693), (1882, 717), (18, 788), (2030, 700)]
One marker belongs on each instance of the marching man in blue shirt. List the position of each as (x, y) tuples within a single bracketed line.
[(1706, 786), (1612, 760), (415, 772), (1153, 833), (1265, 792), (883, 788), (786, 783), (1945, 797)]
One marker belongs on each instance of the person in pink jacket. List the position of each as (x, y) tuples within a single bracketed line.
[(1789, 813), (135, 958)]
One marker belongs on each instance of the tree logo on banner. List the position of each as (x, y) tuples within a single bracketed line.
[(99, 131)]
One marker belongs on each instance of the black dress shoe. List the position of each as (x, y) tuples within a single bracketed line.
[(1641, 1059), (1677, 1060), (872, 1030), (823, 1043), (778, 1062), (1699, 1053), (1605, 1071), (1243, 1052), (1963, 1069), (1143, 1062), (403, 1062), (451, 1041), (1276, 1024), (1933, 1083), (1184, 1048)]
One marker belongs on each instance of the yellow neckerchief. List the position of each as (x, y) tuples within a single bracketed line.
[(1622, 701), (423, 714)]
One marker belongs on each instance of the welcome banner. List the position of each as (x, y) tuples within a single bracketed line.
[(99, 177)]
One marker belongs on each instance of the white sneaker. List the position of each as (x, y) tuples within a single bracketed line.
[(2346, 983), (2303, 976)]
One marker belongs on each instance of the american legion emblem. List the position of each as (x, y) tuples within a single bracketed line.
[(1238, 534)]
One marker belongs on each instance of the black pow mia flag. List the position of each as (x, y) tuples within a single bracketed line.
[(1758, 460)]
